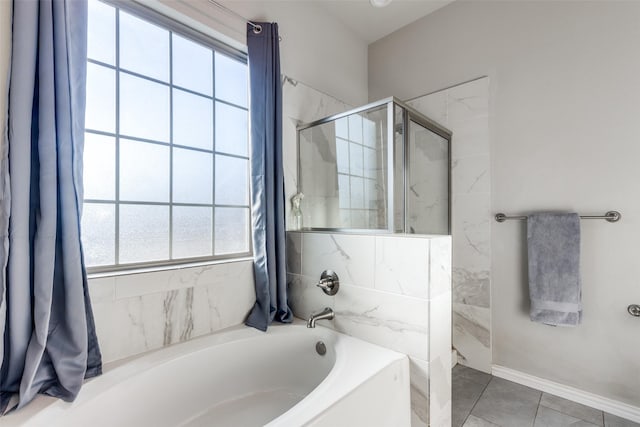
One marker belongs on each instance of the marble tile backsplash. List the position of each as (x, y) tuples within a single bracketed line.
[(135, 313), (395, 291), (464, 109)]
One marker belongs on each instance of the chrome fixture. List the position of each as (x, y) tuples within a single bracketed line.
[(329, 282), (611, 216), (327, 314), (634, 310), (321, 349)]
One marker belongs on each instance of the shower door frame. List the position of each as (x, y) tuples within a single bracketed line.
[(409, 114)]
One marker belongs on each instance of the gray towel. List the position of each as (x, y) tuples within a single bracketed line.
[(555, 288)]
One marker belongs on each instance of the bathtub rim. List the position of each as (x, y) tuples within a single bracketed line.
[(115, 372)]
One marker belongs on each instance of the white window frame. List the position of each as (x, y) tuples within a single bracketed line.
[(187, 32)]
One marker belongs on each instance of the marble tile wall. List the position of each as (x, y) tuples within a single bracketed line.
[(395, 291), (135, 313), (301, 104), (464, 109), (139, 312)]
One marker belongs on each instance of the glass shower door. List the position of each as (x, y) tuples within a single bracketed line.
[(427, 190)]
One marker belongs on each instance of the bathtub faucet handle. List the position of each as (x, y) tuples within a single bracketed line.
[(329, 282)]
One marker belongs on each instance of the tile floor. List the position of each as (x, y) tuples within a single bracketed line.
[(481, 400)]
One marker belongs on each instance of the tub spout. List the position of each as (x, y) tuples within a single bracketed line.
[(327, 313)]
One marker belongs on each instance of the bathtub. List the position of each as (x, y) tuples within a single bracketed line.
[(239, 378)]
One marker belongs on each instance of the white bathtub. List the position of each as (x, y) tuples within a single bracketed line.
[(240, 378)]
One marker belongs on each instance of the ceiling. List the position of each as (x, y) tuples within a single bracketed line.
[(372, 23)]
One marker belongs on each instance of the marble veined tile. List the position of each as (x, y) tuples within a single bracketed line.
[(471, 213), (440, 266), (471, 336), (472, 249), (433, 105), (419, 374), (440, 404), (471, 287), (468, 100), (351, 256), (138, 284), (402, 265), (294, 252), (471, 175), (470, 138), (131, 325), (102, 289), (393, 321), (440, 329), (305, 298)]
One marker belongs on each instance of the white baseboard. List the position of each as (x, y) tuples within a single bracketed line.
[(605, 404)]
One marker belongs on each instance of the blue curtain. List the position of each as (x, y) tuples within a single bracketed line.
[(267, 178), (50, 343)]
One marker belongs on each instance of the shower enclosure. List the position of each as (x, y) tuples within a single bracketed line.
[(383, 166)]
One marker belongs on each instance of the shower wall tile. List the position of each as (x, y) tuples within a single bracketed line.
[(401, 266), (466, 113), (294, 251), (403, 302), (471, 174), (301, 104), (351, 256), (419, 378), (440, 266), (468, 101), (472, 212), (389, 320), (440, 360), (471, 138), (433, 106), (168, 307), (472, 335), (305, 298)]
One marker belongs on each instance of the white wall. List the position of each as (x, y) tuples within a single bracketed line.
[(316, 48), (566, 101)]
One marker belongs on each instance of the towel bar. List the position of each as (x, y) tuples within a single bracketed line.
[(611, 216)]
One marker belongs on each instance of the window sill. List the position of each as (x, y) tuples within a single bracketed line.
[(157, 268)]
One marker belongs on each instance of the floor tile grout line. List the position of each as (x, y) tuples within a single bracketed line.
[(574, 416), (477, 400), (537, 410)]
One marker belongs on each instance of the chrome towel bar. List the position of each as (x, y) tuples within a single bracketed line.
[(611, 216)]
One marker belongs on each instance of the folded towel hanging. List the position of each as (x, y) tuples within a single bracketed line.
[(555, 288)]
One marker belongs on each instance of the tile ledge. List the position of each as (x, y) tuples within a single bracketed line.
[(164, 268)]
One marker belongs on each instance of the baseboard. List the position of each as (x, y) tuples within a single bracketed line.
[(611, 406)]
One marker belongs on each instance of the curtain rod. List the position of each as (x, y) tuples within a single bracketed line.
[(256, 27)]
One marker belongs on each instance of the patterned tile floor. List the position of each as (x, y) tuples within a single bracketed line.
[(481, 400)]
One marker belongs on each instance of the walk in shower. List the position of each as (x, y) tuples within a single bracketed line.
[(383, 166)]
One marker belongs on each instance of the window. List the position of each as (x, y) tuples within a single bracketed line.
[(166, 147), (357, 158)]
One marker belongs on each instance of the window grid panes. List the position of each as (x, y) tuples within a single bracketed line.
[(357, 159), (162, 182)]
